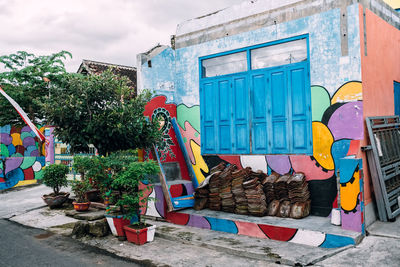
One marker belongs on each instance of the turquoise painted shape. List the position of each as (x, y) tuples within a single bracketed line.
[(337, 241), (347, 168), (222, 225), (5, 129), (11, 149), (339, 150)]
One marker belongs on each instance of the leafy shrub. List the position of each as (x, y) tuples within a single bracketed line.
[(55, 176), (130, 199), (79, 188)]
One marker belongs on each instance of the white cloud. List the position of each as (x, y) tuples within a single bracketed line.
[(104, 30)]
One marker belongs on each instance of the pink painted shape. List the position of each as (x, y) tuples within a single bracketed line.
[(354, 146), (250, 229), (190, 134), (279, 163), (308, 166)]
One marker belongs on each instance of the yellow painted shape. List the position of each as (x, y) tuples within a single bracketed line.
[(349, 193), (351, 91), (16, 139), (26, 182), (44, 151), (322, 143), (393, 3), (200, 163)]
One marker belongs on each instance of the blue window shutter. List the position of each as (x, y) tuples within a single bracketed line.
[(240, 112), (279, 111), (299, 110), (208, 109), (224, 115), (259, 113), (397, 98)]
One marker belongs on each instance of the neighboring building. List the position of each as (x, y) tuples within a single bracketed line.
[(283, 86), (95, 67)]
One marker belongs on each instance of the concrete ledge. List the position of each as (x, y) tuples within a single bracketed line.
[(312, 231)]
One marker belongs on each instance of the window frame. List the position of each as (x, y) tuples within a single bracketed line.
[(249, 70)]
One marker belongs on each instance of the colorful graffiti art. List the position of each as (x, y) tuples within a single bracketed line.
[(259, 230), (337, 128), (22, 161), (169, 150), (351, 192)]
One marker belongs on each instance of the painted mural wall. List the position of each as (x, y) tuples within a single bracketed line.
[(22, 160), (380, 59), (337, 101)]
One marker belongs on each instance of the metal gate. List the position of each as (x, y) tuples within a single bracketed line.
[(384, 162)]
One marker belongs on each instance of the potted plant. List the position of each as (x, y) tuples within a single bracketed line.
[(112, 165), (130, 199), (80, 189), (89, 168), (55, 177)]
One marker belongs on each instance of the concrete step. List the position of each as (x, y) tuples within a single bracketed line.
[(244, 246)]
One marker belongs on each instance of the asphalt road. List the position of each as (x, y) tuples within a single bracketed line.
[(23, 246)]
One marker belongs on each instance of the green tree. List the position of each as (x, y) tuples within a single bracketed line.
[(100, 110), (27, 79)]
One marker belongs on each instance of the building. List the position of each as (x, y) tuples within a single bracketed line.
[(282, 86)]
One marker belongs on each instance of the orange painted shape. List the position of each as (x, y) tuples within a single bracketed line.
[(349, 193)]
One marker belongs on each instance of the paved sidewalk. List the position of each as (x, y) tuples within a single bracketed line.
[(176, 245)]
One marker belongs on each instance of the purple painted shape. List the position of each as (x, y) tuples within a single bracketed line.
[(352, 221), (26, 129), (199, 222), (347, 121), (189, 188), (13, 163), (35, 153), (6, 139), (159, 200), (28, 141), (279, 163)]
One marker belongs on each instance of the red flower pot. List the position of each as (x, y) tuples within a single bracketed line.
[(116, 223), (140, 236), (81, 206)]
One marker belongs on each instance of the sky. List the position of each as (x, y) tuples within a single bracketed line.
[(112, 31)]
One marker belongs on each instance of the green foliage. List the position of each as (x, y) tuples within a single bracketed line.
[(27, 80), (55, 176), (102, 170), (79, 188), (82, 165), (100, 110), (130, 199)]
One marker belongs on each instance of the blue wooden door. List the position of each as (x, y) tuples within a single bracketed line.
[(397, 98)]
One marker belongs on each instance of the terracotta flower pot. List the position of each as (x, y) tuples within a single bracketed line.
[(81, 206), (55, 201), (138, 235)]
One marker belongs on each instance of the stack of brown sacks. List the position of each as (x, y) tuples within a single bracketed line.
[(201, 198), (214, 201), (238, 177), (228, 203), (268, 186), (255, 195), (299, 196)]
